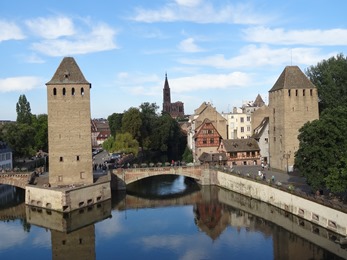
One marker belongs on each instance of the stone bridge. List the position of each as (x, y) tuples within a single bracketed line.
[(126, 176), (17, 179)]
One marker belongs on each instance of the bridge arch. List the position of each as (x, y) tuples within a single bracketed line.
[(135, 174)]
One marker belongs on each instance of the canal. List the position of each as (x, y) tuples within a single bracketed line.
[(162, 218)]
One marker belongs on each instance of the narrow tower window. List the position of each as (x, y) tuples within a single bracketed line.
[(73, 91), (311, 92), (82, 91), (54, 91), (303, 92), (64, 91), (296, 92), (289, 92)]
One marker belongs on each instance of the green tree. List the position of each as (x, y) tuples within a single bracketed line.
[(40, 124), (23, 110), (109, 144), (131, 123), (187, 155), (148, 118), (115, 123), (330, 78), (127, 144), (21, 139), (322, 152)]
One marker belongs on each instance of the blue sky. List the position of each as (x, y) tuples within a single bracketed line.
[(224, 52)]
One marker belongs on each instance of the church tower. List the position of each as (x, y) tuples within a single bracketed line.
[(69, 127), (166, 97), (293, 101)]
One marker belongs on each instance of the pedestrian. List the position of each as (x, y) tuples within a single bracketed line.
[(273, 178)]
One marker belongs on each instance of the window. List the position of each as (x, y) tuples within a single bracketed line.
[(77, 157), (266, 140), (64, 91), (241, 119), (82, 91), (204, 141), (303, 92), (248, 118), (61, 159), (296, 92), (54, 91), (211, 141), (242, 129), (248, 128), (311, 92), (289, 92), (73, 91)]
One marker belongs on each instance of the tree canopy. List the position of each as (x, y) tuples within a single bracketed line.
[(330, 78), (23, 110), (151, 131), (322, 156)]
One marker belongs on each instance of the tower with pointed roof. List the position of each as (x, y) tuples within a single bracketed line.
[(293, 101), (166, 96), (69, 130), (174, 109)]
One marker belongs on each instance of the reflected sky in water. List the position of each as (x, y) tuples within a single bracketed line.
[(211, 223)]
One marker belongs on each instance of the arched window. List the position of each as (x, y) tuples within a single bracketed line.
[(82, 91), (64, 91), (54, 91), (73, 91)]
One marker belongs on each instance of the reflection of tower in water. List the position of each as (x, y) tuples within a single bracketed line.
[(72, 234)]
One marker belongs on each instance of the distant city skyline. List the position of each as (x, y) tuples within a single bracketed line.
[(223, 52)]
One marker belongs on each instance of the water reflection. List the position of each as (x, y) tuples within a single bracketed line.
[(210, 223), (73, 233)]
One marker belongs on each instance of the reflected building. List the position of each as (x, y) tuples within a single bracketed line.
[(73, 233)]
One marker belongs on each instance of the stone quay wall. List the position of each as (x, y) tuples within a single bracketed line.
[(321, 215), (67, 199)]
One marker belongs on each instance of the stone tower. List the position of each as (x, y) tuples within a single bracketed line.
[(293, 101), (69, 128), (166, 96)]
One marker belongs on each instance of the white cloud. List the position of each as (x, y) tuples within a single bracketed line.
[(51, 28), (19, 84), (188, 45), (257, 56), (10, 31), (12, 237), (317, 37), (152, 85), (210, 81), (201, 12), (101, 38), (189, 3)]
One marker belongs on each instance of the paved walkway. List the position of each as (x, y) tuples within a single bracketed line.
[(295, 179)]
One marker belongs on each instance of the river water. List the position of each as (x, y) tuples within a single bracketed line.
[(163, 218)]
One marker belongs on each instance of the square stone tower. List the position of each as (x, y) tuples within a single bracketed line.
[(69, 127), (293, 101)]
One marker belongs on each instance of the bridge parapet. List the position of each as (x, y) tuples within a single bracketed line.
[(18, 179), (130, 175)]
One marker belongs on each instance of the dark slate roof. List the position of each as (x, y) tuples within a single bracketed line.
[(212, 157), (240, 145), (68, 72), (166, 84), (259, 102), (292, 78), (257, 132)]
